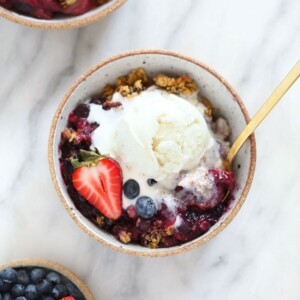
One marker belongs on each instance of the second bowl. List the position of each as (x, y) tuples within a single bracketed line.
[(63, 22)]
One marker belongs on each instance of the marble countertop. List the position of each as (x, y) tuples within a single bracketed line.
[(253, 44)]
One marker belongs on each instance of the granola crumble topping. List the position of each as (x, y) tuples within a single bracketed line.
[(137, 81), (176, 85)]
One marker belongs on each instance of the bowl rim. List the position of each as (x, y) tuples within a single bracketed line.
[(45, 263), (159, 251), (63, 24)]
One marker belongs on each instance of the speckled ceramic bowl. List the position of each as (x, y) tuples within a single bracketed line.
[(52, 266), (63, 22), (212, 86)]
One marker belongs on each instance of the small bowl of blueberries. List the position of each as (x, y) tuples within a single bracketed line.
[(40, 279)]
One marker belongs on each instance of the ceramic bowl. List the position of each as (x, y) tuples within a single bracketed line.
[(63, 22), (212, 86), (51, 266)]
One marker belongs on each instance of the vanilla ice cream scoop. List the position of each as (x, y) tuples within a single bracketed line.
[(160, 134), (152, 135)]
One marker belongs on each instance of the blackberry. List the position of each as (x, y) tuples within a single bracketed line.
[(191, 216), (82, 110)]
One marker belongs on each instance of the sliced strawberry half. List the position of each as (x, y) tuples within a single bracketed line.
[(99, 180), (67, 298)]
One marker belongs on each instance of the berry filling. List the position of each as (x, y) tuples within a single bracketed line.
[(49, 9), (166, 208), (37, 283)]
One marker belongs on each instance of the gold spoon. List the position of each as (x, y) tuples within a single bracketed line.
[(283, 87)]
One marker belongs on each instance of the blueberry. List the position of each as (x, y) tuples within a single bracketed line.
[(37, 275), (9, 275), (18, 290), (31, 292), (54, 277), (145, 207), (23, 277), (7, 296), (44, 287), (48, 298), (73, 290), (59, 291), (5, 285), (21, 298), (151, 181), (131, 189)]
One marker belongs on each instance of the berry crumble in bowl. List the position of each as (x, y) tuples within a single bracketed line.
[(57, 14), (40, 279), (136, 153)]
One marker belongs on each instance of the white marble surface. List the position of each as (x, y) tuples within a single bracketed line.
[(253, 44)]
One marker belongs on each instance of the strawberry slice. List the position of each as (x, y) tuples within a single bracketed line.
[(67, 298), (98, 179)]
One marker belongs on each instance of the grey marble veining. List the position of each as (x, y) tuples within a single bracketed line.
[(253, 45)]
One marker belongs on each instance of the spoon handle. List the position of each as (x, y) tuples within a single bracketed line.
[(283, 87)]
